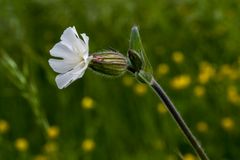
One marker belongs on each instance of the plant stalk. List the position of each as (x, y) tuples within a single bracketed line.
[(178, 118)]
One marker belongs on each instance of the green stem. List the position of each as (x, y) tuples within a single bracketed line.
[(178, 118)]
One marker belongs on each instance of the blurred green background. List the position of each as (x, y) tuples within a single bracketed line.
[(194, 50)]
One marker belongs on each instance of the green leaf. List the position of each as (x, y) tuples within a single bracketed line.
[(136, 45)]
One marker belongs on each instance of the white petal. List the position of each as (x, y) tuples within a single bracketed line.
[(62, 51), (71, 38), (62, 66), (85, 39), (75, 31), (70, 35), (64, 80)]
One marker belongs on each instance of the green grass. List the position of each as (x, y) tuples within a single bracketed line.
[(124, 122)]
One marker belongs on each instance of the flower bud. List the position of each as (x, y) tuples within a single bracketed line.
[(109, 63), (136, 63)]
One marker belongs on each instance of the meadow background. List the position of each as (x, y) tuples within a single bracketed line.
[(194, 50)]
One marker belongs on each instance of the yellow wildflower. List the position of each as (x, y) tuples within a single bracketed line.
[(202, 126), (127, 81), (4, 126), (21, 144), (87, 103), (178, 57), (140, 89), (53, 132), (180, 82), (162, 69), (161, 108), (227, 123), (51, 147), (88, 145), (206, 72), (189, 156), (233, 95), (199, 91), (228, 71)]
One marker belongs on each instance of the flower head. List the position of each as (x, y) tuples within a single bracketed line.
[(4, 126), (53, 132), (72, 55), (180, 82), (87, 103), (88, 145), (21, 144)]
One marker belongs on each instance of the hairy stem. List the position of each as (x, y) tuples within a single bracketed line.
[(178, 118)]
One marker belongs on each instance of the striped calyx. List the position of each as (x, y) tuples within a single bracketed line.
[(109, 63)]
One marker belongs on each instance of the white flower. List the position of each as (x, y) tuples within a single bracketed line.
[(73, 57)]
